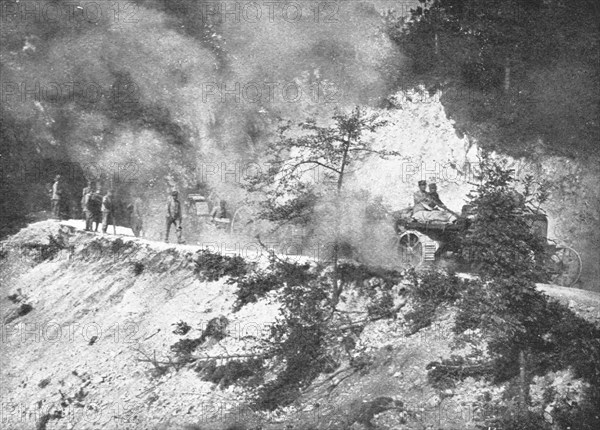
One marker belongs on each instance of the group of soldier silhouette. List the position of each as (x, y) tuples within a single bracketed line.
[(101, 209)]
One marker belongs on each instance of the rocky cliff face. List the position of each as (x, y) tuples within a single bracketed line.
[(88, 321)]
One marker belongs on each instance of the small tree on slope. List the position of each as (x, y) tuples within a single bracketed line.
[(329, 149)]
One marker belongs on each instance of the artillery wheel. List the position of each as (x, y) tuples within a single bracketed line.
[(415, 248), (565, 266), (243, 222), (410, 249)]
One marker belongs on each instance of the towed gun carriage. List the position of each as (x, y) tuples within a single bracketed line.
[(420, 244)]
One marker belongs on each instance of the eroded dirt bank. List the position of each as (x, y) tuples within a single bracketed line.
[(85, 316)]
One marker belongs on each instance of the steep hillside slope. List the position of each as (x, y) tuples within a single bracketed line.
[(92, 317), (89, 321)]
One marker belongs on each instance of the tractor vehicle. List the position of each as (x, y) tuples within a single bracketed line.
[(421, 244)]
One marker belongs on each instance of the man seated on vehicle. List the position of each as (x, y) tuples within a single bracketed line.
[(438, 202), (426, 207), (220, 216), (220, 212), (435, 197)]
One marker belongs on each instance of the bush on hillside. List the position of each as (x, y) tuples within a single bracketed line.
[(525, 332), (212, 267)]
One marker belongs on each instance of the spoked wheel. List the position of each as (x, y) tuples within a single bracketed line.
[(243, 222), (222, 224), (410, 249), (565, 266)]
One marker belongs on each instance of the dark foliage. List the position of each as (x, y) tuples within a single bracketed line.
[(501, 242), (308, 333), (138, 268), (22, 310), (513, 72), (584, 416), (234, 371), (119, 245), (15, 298), (45, 419), (181, 328), (516, 319), (430, 290), (184, 348), (212, 267), (520, 420), (216, 329), (255, 285), (375, 284), (43, 252), (299, 340)]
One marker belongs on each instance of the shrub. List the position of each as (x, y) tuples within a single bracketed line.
[(232, 372), (212, 267), (300, 339), (44, 252), (184, 348), (181, 328), (255, 286), (583, 416), (519, 420), (500, 240), (138, 268), (373, 283), (430, 290)]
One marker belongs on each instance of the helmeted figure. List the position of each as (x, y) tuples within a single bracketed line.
[(57, 197), (220, 216), (87, 205), (219, 211), (435, 197), (88, 189), (136, 216), (93, 208), (173, 215), (426, 206), (108, 208)]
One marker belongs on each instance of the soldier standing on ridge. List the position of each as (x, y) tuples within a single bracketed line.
[(86, 190), (94, 205), (86, 203), (57, 193), (136, 217), (108, 208), (173, 215)]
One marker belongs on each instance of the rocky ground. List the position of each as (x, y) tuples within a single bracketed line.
[(88, 321)]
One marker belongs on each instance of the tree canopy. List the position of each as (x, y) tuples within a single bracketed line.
[(310, 161), (512, 72)]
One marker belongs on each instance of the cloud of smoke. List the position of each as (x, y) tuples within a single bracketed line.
[(126, 84)]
